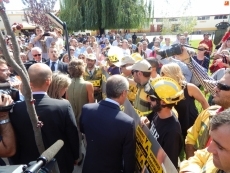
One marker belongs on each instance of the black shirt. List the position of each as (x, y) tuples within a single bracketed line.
[(168, 134)]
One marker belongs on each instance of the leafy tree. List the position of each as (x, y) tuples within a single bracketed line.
[(36, 10), (180, 26), (105, 14)]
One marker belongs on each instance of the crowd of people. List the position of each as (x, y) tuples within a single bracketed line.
[(71, 103)]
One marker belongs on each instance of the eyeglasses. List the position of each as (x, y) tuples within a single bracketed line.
[(133, 71), (71, 50), (223, 87), (37, 54)]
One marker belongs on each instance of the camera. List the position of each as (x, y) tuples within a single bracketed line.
[(175, 49), (5, 88), (46, 34)]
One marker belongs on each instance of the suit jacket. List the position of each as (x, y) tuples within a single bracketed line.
[(110, 135), (59, 123), (62, 67)]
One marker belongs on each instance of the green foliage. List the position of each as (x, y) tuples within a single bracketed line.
[(187, 24), (105, 14), (180, 26)]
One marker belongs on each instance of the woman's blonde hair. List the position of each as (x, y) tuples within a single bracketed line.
[(59, 82), (173, 71)]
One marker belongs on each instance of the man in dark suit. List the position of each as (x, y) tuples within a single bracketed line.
[(110, 133), (58, 119), (54, 63)]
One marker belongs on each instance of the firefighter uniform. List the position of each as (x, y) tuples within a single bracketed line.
[(95, 77)]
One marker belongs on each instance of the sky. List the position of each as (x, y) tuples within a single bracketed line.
[(177, 8), (167, 8)]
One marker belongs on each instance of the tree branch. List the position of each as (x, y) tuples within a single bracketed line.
[(24, 77)]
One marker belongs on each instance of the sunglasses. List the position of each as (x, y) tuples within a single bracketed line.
[(37, 54), (133, 71), (153, 99), (223, 87), (201, 49)]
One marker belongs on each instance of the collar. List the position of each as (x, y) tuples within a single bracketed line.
[(39, 92), (53, 61), (112, 101), (91, 70)]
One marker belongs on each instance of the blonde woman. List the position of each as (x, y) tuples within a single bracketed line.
[(59, 85), (187, 111)]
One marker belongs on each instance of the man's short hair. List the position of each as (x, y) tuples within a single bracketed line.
[(223, 118), (116, 85), (2, 61), (37, 49)]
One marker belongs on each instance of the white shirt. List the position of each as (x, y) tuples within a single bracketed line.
[(126, 52), (92, 71), (115, 43), (148, 51), (55, 65), (112, 101), (39, 92)]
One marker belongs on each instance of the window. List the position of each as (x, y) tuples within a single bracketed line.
[(173, 19), (221, 17), (159, 20), (203, 17)]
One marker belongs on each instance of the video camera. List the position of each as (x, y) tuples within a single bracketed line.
[(5, 88), (175, 49)]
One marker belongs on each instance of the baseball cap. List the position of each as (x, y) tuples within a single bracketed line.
[(127, 60), (142, 65), (136, 57), (91, 56)]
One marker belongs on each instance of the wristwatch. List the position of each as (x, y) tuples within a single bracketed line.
[(4, 121)]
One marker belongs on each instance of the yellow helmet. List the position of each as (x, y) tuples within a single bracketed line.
[(166, 89), (136, 57)]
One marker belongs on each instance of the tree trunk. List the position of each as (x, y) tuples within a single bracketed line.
[(102, 31), (18, 66)]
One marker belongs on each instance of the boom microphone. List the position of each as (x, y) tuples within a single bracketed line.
[(45, 157)]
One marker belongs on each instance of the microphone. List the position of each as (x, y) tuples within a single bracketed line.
[(45, 157)]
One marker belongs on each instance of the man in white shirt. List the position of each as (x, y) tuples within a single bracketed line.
[(125, 47), (118, 39)]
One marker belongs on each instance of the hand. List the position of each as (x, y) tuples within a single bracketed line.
[(5, 100), (144, 120)]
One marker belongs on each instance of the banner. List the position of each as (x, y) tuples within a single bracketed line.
[(150, 156)]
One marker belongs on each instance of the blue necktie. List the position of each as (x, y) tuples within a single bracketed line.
[(53, 66)]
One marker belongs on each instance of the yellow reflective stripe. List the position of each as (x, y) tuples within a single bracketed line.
[(190, 136), (96, 83), (142, 114)]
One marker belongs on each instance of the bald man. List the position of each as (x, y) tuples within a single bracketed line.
[(57, 116), (110, 133)]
